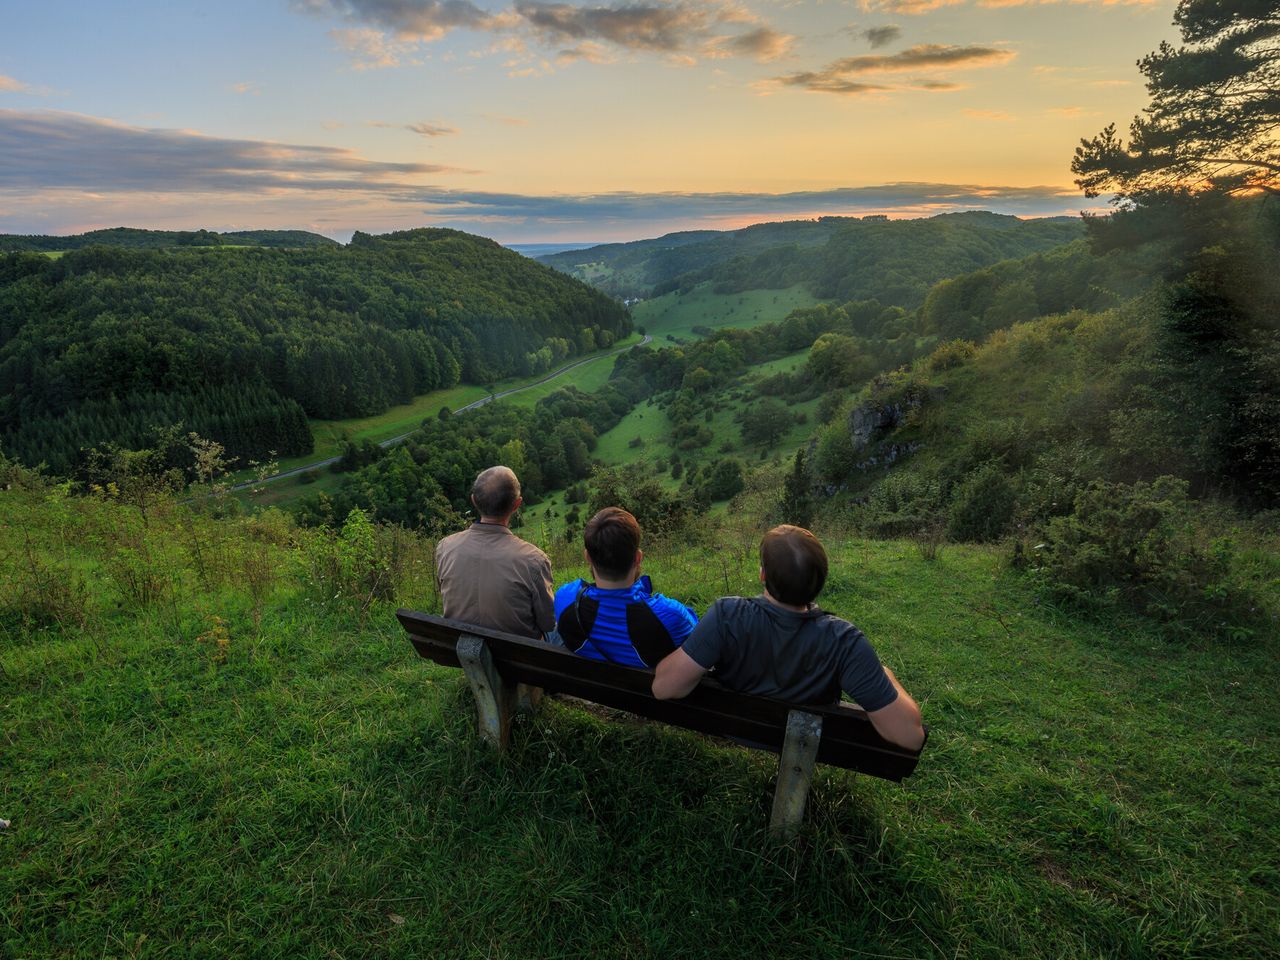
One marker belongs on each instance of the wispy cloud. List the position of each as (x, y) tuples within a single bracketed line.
[(10, 85), (406, 20), (384, 203), (640, 214), (385, 32), (846, 76), (908, 7), (431, 129), (881, 36), (247, 87), (918, 7), (506, 121), (52, 150), (763, 44), (1101, 3), (372, 49), (997, 115)]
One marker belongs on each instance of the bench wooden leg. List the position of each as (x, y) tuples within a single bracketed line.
[(494, 696), (795, 771), (527, 698)]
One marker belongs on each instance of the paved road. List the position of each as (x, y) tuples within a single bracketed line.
[(470, 406)]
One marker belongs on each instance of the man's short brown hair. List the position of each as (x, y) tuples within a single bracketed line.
[(794, 564), (612, 538)]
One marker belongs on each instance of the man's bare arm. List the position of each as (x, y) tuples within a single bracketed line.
[(900, 721), (676, 676)]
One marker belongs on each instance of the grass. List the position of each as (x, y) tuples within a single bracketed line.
[(399, 420), (649, 423), (676, 314), (311, 789)]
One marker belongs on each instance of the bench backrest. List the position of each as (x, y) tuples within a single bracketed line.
[(848, 738)]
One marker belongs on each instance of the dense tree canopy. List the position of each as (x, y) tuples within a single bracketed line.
[(1215, 107), (839, 258), (107, 342)]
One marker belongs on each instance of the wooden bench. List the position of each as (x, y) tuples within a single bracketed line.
[(501, 666)]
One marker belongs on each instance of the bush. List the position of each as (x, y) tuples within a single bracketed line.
[(659, 512), (1136, 546), (982, 505), (721, 480), (950, 354), (902, 504)]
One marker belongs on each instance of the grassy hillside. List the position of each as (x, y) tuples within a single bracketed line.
[(220, 746), (676, 315)]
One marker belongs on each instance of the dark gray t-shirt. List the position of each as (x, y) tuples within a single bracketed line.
[(757, 647)]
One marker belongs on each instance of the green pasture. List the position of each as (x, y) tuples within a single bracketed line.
[(676, 314), (248, 765), (649, 423), (329, 434)]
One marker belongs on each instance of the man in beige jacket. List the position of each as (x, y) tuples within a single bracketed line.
[(489, 576)]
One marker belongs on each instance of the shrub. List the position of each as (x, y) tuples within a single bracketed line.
[(902, 504), (363, 562), (659, 512), (950, 354), (1136, 546), (982, 505)]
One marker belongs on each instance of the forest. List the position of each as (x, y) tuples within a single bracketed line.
[(841, 258), (107, 342)]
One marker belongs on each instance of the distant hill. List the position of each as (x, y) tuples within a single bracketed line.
[(243, 344), (839, 258), (136, 239)]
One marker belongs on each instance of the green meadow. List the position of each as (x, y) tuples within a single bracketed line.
[(216, 742), (676, 314), (331, 434)]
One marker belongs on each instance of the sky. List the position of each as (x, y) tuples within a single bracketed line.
[(541, 121)]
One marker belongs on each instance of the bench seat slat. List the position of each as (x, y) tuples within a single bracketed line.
[(848, 738)]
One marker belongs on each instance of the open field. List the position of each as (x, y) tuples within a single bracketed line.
[(649, 423), (675, 314), (405, 418), (187, 779)]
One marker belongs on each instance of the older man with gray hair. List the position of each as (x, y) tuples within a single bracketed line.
[(489, 576)]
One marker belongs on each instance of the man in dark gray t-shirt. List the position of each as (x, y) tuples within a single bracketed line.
[(780, 645)]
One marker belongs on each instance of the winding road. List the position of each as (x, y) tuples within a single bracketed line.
[(476, 404)]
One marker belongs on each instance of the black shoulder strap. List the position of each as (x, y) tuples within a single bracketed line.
[(650, 637), (577, 619)]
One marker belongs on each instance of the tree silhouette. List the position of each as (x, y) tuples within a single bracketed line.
[(1215, 107)]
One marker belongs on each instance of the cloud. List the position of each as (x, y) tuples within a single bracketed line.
[(52, 150), (506, 216), (911, 8), (371, 49), (1067, 111), (431, 129), (845, 76), (249, 87), (762, 43), (997, 4), (406, 20), (10, 85), (918, 7), (630, 215), (505, 121), (384, 31), (881, 36), (998, 115), (587, 51)]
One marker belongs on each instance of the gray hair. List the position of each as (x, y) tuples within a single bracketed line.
[(496, 491)]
